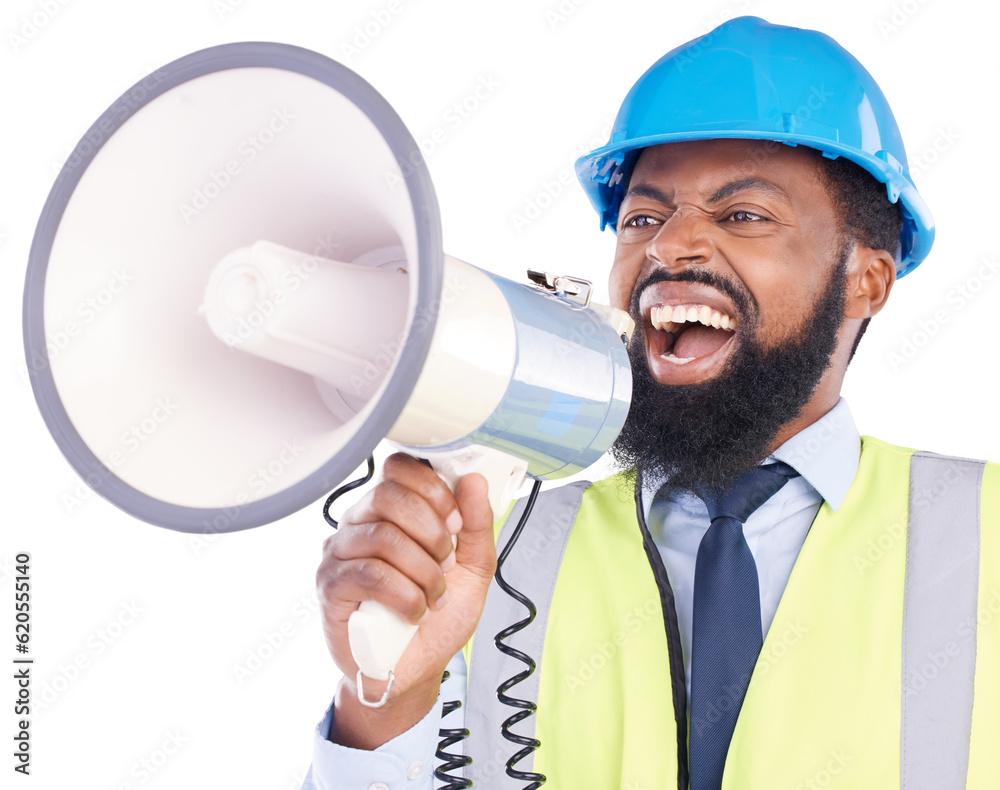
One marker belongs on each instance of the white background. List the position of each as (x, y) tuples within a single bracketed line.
[(561, 70)]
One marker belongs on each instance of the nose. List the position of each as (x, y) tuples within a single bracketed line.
[(682, 240)]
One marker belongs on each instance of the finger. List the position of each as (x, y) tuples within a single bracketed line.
[(345, 584), (386, 541), (394, 502), (476, 543), (420, 478)]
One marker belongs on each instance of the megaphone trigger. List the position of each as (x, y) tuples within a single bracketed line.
[(504, 472)]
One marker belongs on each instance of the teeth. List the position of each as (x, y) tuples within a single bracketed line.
[(669, 319), (676, 360)]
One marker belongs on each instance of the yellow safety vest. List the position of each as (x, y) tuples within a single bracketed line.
[(889, 622)]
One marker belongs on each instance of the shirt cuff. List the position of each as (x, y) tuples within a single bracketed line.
[(404, 763)]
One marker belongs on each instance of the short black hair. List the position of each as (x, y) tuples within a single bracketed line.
[(867, 216)]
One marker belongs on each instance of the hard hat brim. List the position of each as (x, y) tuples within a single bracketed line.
[(605, 172)]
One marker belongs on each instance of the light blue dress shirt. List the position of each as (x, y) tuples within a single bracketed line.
[(825, 454)]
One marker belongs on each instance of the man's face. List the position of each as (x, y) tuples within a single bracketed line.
[(730, 260)]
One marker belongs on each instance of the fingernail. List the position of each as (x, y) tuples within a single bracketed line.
[(424, 617), (449, 563), (454, 522), (441, 602)]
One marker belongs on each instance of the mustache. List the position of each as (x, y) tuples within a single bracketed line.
[(745, 303)]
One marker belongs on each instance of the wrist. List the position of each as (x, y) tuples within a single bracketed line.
[(358, 726)]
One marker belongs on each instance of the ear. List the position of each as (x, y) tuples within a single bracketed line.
[(871, 275)]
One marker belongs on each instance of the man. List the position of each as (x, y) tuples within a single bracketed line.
[(758, 559)]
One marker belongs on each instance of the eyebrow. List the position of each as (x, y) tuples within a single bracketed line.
[(746, 184), (644, 191)]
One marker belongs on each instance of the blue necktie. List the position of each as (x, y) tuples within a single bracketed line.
[(727, 635)]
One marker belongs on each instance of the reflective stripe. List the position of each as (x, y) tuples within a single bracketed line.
[(531, 568), (940, 593)]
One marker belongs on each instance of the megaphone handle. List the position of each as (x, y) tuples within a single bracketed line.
[(378, 636), (504, 472)]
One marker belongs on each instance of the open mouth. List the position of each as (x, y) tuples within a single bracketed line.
[(690, 331)]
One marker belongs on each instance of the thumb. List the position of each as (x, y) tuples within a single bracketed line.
[(476, 549)]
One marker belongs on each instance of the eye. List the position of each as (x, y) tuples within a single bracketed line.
[(640, 221), (741, 215)]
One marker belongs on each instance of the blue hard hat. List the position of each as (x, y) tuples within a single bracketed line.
[(753, 80)]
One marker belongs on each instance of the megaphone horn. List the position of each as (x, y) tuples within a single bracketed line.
[(283, 291)]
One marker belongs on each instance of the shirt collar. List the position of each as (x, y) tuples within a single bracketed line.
[(825, 453)]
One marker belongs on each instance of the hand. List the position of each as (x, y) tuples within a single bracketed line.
[(396, 546)]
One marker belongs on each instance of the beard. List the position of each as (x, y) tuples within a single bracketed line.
[(701, 437)]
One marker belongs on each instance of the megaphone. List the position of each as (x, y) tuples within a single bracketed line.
[(243, 260)]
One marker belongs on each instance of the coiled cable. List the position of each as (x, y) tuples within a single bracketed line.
[(449, 737), (344, 489), (526, 707)]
